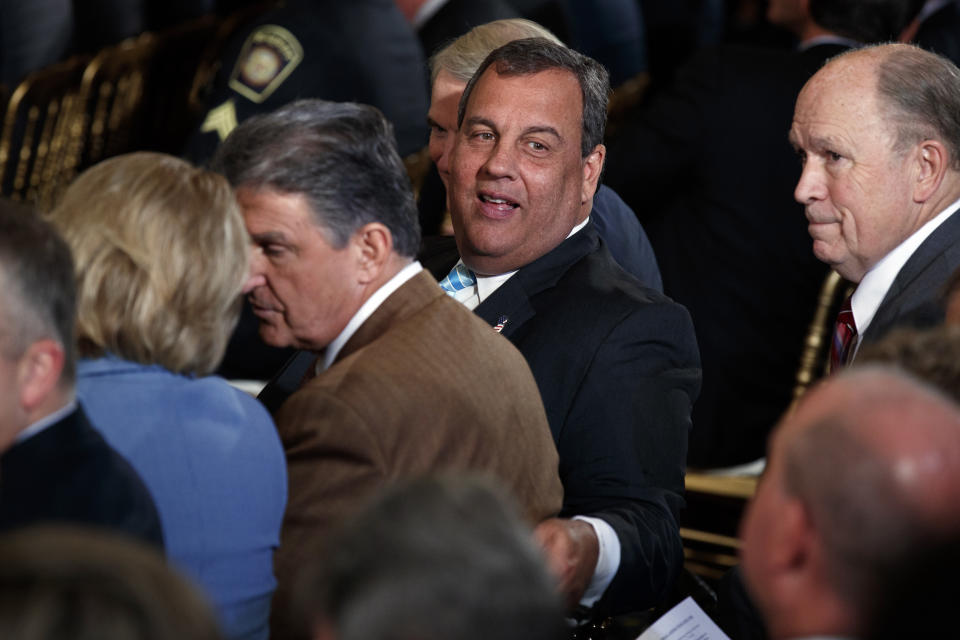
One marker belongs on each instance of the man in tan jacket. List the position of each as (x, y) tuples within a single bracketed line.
[(402, 379)]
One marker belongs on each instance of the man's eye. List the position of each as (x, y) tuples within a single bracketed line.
[(272, 250), (833, 156), (483, 135), (537, 146)]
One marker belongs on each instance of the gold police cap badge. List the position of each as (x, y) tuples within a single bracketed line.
[(268, 56)]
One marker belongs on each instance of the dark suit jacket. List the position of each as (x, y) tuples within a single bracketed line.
[(618, 370), (423, 386), (68, 473), (940, 32), (709, 171), (916, 296)]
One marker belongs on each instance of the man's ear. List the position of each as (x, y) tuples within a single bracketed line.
[(373, 243), (932, 161), (592, 168), (791, 550), (38, 373)]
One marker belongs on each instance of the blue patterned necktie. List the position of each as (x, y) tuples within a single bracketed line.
[(460, 277)]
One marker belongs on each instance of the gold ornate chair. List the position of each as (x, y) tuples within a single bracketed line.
[(41, 137), (112, 94), (135, 95), (816, 351)]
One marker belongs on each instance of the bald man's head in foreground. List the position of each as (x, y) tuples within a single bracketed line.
[(865, 472)]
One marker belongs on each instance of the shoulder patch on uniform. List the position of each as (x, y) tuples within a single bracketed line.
[(268, 56)]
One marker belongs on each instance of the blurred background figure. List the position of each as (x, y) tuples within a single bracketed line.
[(54, 466), (358, 51), (161, 255), (863, 474), (937, 28), (932, 355), (60, 582), (437, 559)]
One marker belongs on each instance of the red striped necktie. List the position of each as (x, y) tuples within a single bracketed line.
[(844, 337)]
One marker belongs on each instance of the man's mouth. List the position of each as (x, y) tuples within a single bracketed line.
[(260, 308), (497, 204)]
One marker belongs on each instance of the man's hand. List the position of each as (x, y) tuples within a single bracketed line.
[(571, 547)]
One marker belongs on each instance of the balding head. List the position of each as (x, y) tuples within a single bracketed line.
[(878, 132), (866, 470)]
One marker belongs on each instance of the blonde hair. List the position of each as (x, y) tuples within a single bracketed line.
[(161, 255), (462, 57)]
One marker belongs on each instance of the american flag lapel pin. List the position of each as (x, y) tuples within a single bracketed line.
[(499, 326)]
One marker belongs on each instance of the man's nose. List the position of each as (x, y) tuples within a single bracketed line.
[(255, 277), (810, 187), (502, 162)]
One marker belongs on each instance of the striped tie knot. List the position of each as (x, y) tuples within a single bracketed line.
[(460, 277)]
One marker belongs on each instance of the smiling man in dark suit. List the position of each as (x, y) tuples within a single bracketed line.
[(878, 133), (616, 363)]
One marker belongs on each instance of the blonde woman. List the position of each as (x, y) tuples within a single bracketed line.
[(161, 254)]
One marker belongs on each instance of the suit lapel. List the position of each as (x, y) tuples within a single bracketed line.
[(510, 304), (920, 277)]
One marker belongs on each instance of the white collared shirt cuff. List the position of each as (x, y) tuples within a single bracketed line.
[(608, 560)]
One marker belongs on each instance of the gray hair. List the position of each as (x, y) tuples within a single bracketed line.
[(533, 55), (463, 56), (341, 156), (37, 289), (920, 93)]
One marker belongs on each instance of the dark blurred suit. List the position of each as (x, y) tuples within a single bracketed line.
[(356, 51), (67, 473), (456, 17), (940, 32), (709, 171), (33, 34)]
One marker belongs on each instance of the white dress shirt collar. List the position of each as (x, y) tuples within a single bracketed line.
[(366, 310), (878, 280), (46, 421), (471, 297)]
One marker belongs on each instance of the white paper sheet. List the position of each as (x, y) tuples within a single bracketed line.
[(686, 621)]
